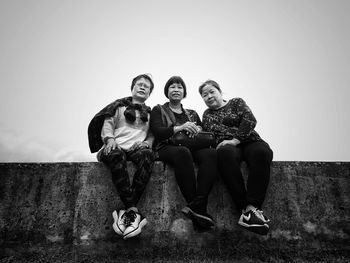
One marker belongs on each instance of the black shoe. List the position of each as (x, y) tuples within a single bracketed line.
[(254, 221), (200, 219)]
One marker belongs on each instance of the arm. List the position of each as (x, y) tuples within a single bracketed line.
[(107, 134), (147, 143), (199, 123), (158, 128), (246, 125), (198, 119), (248, 121), (162, 132), (212, 122), (192, 126), (149, 139), (107, 130), (205, 122)]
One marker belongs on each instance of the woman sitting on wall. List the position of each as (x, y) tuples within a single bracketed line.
[(233, 124), (168, 119)]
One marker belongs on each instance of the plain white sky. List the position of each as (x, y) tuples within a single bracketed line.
[(62, 61)]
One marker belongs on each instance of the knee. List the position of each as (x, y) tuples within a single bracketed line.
[(208, 155), (147, 154), (262, 155), (183, 154), (116, 159), (229, 154), (116, 155)]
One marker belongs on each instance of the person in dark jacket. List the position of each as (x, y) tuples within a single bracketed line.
[(120, 133), (168, 119), (233, 124)]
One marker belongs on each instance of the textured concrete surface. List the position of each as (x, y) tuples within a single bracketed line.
[(71, 203)]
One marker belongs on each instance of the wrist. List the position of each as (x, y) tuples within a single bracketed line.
[(106, 139), (176, 129), (236, 141)]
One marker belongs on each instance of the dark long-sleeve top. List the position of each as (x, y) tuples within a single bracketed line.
[(234, 120), (163, 120)]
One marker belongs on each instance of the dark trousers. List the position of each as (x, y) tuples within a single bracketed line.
[(258, 157), (116, 160), (181, 159)]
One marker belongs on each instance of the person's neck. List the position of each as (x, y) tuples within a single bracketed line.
[(175, 106), (137, 101), (223, 104)]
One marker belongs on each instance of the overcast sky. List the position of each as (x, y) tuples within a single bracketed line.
[(62, 61)]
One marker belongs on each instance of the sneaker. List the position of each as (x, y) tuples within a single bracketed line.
[(119, 222), (134, 222), (203, 219), (266, 219), (254, 221)]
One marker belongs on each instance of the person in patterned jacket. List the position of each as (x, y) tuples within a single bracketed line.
[(120, 133), (168, 119), (233, 124)]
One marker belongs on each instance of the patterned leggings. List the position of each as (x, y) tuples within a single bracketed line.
[(116, 160)]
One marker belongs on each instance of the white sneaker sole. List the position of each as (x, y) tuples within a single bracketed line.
[(258, 229), (240, 222), (137, 230), (115, 226), (246, 225)]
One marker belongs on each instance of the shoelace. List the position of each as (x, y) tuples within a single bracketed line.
[(266, 219), (123, 219), (258, 214), (129, 218)]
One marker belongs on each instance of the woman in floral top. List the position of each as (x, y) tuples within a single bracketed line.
[(233, 124)]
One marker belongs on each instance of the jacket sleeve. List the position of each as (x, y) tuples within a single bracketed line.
[(248, 121), (150, 138), (198, 120), (158, 127), (96, 124), (107, 130), (205, 122)]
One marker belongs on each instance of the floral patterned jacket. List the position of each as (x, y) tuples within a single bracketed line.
[(234, 120)]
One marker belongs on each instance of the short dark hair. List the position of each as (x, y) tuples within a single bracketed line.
[(172, 80), (145, 76), (209, 82)]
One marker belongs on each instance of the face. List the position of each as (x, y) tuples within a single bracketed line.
[(176, 92), (141, 89), (212, 97)]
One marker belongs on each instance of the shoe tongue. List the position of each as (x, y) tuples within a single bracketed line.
[(132, 209), (132, 216)]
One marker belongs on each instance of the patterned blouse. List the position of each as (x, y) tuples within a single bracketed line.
[(234, 120)]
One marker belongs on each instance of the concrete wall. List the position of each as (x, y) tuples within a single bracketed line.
[(308, 203)]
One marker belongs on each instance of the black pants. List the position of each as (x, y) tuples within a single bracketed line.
[(116, 160), (258, 157), (181, 159)]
